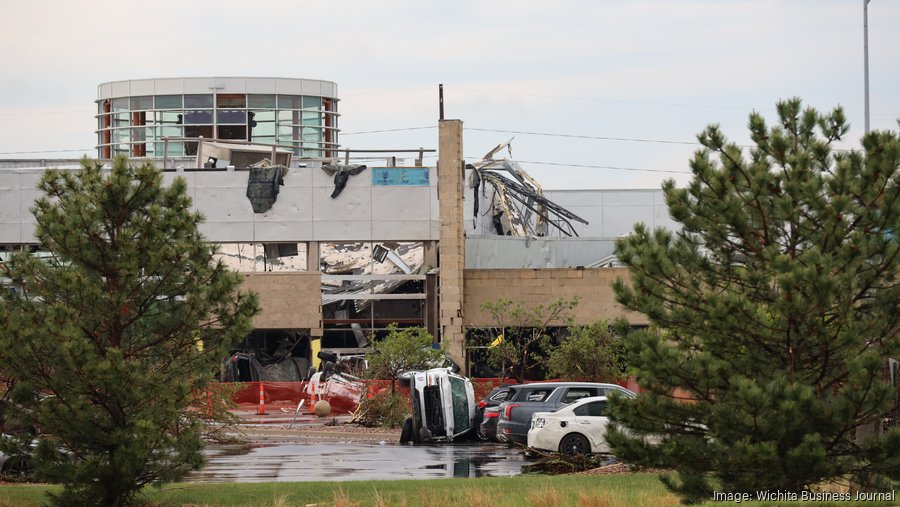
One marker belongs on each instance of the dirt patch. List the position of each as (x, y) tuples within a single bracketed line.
[(267, 434), (620, 468)]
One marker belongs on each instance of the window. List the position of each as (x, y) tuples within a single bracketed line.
[(168, 102), (501, 395), (537, 394), (266, 101), (141, 103), (592, 409), (198, 101), (460, 399), (228, 100), (576, 393)]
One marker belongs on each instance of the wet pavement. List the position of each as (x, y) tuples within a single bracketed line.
[(357, 461)]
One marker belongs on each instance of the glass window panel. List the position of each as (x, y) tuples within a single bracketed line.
[(137, 134), (141, 103), (312, 135), (264, 115), (196, 117), (288, 102), (175, 149), (170, 118), (120, 104), (168, 101), (260, 100), (170, 131), (231, 100), (291, 117), (263, 139), (199, 131), (233, 132), (120, 135), (121, 119), (231, 116), (288, 132), (312, 102), (265, 128), (198, 101), (314, 119)]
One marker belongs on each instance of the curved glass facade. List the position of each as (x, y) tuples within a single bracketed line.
[(137, 125)]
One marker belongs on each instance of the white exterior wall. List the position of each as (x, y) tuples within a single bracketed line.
[(304, 210)]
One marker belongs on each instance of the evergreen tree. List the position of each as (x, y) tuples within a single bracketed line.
[(112, 338), (776, 305)]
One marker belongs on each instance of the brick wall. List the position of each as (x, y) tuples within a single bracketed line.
[(544, 286), (288, 300)]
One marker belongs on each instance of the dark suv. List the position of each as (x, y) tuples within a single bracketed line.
[(526, 399)]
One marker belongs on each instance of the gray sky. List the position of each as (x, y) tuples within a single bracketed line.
[(636, 69)]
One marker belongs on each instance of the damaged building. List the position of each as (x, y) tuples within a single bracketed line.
[(338, 250)]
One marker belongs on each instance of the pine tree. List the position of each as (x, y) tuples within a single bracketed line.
[(112, 338), (776, 305)]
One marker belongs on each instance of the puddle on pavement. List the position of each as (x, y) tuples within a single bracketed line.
[(346, 461)]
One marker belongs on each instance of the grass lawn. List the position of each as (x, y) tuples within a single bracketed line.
[(540, 491)]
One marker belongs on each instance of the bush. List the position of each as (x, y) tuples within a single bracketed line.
[(386, 410)]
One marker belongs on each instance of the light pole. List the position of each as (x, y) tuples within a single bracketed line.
[(866, 55)]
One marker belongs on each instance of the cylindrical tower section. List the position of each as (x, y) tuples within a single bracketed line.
[(134, 118)]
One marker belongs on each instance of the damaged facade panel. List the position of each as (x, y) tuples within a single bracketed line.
[(366, 286), (255, 257), (513, 202)]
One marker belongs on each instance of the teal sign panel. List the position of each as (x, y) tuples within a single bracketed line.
[(400, 176)]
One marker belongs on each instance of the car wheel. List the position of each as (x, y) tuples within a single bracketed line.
[(407, 432), (480, 434), (573, 443)]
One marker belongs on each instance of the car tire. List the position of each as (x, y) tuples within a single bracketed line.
[(480, 434), (573, 444), (406, 433)]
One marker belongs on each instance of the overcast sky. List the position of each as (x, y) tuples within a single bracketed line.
[(658, 71)]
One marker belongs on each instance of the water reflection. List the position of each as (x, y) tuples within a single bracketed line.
[(357, 461)]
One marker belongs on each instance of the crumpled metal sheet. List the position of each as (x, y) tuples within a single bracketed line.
[(517, 201)]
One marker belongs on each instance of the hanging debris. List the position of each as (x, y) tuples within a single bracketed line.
[(341, 174), (517, 203)]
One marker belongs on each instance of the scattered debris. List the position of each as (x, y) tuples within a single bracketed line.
[(518, 208), (341, 174), (262, 186)]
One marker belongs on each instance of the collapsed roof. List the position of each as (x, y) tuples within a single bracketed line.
[(517, 204)]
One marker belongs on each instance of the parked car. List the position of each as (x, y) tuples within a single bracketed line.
[(515, 413), (17, 465), (576, 429), (443, 406), (487, 430), (494, 398)]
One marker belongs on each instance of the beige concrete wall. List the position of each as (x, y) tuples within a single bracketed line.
[(288, 300), (544, 286)]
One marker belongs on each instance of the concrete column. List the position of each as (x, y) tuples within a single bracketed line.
[(452, 248), (312, 256)]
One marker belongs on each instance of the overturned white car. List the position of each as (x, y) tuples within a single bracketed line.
[(443, 406)]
